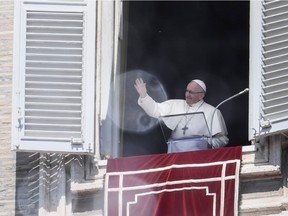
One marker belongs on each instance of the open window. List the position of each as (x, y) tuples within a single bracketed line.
[(54, 91), (268, 103), (54, 76)]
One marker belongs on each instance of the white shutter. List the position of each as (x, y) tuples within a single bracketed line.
[(268, 68), (54, 76)]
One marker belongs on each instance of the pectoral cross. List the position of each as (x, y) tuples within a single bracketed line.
[(184, 129)]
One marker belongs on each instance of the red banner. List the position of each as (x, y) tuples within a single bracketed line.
[(176, 184)]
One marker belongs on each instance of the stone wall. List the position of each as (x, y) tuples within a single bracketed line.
[(7, 157), (263, 179)]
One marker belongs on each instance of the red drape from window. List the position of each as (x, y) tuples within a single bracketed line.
[(176, 184)]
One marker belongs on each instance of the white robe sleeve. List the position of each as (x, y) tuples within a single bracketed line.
[(219, 131), (149, 106), (155, 110)]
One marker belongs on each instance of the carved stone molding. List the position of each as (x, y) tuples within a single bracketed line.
[(263, 184)]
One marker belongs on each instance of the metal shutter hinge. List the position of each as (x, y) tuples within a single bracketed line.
[(19, 118)]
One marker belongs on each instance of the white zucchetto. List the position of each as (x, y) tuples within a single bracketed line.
[(200, 83)]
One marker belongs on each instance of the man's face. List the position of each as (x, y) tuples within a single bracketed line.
[(194, 93)]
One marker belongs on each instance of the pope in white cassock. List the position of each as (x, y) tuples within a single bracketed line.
[(189, 131)]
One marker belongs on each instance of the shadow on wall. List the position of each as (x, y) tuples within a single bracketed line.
[(43, 183)]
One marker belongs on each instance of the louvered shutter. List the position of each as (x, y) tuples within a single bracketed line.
[(268, 68), (54, 76)]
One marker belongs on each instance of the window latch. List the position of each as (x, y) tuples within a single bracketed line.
[(76, 141), (265, 124)]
